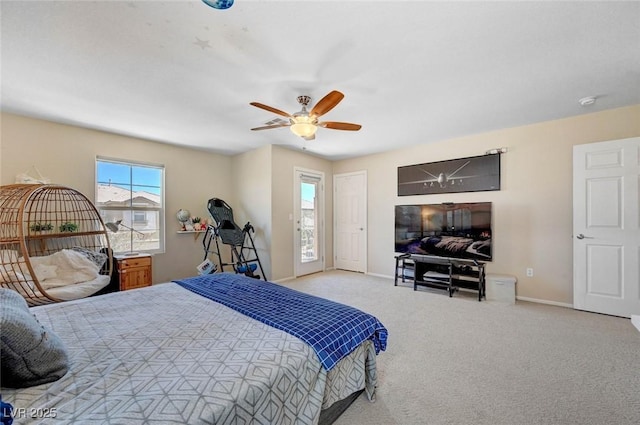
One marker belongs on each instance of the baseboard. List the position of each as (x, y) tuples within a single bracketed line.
[(539, 301), (384, 276), (635, 320), (531, 300), (284, 279)]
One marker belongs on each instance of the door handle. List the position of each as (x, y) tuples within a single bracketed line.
[(581, 236)]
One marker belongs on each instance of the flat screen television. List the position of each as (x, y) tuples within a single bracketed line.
[(452, 230)]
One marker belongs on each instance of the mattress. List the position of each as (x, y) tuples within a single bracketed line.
[(163, 355)]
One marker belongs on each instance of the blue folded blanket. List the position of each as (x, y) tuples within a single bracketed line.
[(333, 330)]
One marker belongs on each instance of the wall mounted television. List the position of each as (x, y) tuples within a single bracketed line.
[(452, 230)]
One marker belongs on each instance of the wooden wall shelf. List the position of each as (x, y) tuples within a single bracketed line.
[(195, 233)]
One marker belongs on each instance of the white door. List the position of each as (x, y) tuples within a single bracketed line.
[(350, 213), (308, 221), (606, 233)]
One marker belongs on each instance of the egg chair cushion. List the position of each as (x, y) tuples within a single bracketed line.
[(30, 354)]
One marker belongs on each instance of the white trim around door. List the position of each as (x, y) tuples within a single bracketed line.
[(308, 221)]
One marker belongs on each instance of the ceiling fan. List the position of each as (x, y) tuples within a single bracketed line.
[(305, 123)]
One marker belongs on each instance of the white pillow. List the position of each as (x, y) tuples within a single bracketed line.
[(44, 272), (72, 267)]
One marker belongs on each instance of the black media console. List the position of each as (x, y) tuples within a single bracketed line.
[(450, 274)]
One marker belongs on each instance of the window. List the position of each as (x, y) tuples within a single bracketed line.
[(140, 218), (130, 199), (308, 221)]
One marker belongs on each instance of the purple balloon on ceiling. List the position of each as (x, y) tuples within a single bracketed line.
[(219, 4)]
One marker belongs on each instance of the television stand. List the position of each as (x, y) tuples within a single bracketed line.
[(449, 274)]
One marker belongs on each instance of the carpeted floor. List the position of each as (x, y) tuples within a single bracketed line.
[(460, 361)]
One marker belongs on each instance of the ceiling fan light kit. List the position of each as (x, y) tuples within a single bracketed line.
[(303, 129), (304, 123)]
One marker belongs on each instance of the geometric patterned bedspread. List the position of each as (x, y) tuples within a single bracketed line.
[(164, 355), (332, 329)]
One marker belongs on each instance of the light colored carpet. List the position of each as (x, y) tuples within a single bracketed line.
[(460, 361)]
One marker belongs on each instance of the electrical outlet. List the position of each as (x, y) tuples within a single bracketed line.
[(529, 272)]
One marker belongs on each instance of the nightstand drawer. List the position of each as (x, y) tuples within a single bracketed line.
[(134, 262)]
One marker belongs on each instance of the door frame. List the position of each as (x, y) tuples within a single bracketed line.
[(297, 261), (365, 241)]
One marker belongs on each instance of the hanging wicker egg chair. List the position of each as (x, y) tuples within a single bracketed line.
[(53, 243)]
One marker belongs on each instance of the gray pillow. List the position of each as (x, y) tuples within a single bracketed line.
[(30, 354), (98, 258)]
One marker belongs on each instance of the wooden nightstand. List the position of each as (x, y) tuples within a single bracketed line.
[(134, 271)]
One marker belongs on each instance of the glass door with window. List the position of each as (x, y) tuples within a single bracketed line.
[(308, 220)]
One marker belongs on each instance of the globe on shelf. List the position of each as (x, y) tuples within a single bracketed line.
[(183, 215)]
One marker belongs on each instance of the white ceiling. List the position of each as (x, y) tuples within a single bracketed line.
[(412, 72)]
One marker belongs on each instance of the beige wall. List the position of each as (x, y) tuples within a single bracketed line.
[(66, 154), (532, 212), (253, 191), (264, 193), (258, 185), (284, 162), (532, 222)]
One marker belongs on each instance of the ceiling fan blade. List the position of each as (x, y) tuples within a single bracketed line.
[(270, 109), (340, 125), (327, 103), (267, 127)]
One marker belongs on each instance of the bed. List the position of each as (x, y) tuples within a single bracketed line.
[(166, 354)]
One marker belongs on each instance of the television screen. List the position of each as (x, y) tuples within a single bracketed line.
[(460, 230)]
